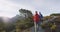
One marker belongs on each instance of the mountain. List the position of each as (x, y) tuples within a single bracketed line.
[(55, 14), (16, 18), (11, 20), (9, 23)]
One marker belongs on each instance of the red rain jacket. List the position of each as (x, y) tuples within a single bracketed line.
[(36, 18)]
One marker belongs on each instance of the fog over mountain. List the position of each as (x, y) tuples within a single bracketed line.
[(1, 20), (11, 20), (16, 18), (4, 19)]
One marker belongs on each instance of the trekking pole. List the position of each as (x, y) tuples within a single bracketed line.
[(35, 26)]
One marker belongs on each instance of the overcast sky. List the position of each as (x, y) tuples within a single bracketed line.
[(9, 8)]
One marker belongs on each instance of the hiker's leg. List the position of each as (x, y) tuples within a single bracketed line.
[(35, 25), (38, 25)]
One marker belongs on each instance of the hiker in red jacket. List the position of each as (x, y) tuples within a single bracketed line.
[(36, 19)]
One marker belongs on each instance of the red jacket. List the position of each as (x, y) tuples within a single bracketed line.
[(36, 18)]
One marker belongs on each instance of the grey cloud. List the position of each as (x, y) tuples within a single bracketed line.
[(43, 6)]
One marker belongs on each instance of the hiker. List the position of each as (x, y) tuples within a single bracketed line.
[(41, 17), (36, 20)]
